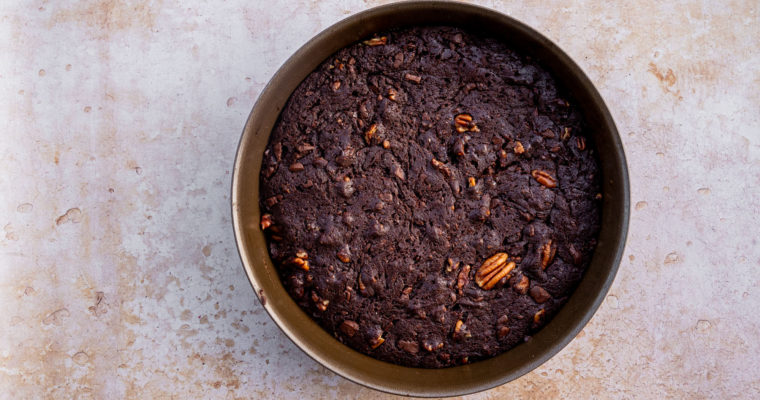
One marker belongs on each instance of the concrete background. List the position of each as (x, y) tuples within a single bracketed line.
[(119, 276)]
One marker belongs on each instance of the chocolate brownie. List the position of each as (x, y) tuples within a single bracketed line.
[(430, 197)]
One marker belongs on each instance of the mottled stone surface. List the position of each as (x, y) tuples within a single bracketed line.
[(118, 270)]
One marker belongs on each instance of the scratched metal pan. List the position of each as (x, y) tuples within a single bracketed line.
[(360, 368)]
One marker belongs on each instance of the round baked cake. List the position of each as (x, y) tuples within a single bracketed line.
[(430, 197)]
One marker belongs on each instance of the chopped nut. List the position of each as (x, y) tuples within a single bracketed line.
[(519, 149), (462, 278), (451, 265), (566, 133), (503, 332), (322, 305), (370, 133), (305, 148), (432, 345), (349, 327), (398, 172), (493, 270), (538, 318), (266, 221), (459, 147), (581, 142), (376, 41), (336, 85), (547, 252), (376, 342), (598, 196), (441, 167), (296, 167), (276, 238), (522, 285), (300, 263), (463, 123), (392, 94), (460, 331), (413, 78), (539, 294), (544, 178), (386, 144), (302, 254), (344, 254)]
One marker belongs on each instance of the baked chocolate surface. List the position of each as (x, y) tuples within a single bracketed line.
[(429, 197)]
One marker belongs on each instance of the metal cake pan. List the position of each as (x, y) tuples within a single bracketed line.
[(362, 369)]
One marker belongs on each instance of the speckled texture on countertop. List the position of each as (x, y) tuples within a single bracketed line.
[(119, 276)]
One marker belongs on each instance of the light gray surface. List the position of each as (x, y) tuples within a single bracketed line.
[(149, 99)]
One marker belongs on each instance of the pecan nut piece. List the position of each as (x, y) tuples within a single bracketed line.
[(581, 143), (539, 294), (266, 221), (462, 278), (299, 262), (441, 167), (547, 252), (414, 78), (376, 41), (376, 342), (349, 327), (463, 123), (493, 270), (538, 317), (544, 178), (370, 133), (522, 285)]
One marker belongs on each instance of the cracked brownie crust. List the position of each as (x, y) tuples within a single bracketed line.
[(429, 197)]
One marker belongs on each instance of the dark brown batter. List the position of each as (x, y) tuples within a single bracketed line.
[(429, 197)]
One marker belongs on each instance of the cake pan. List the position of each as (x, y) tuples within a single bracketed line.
[(362, 369)]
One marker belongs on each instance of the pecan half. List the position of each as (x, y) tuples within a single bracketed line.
[(493, 270), (522, 285), (544, 178), (547, 252), (376, 41), (463, 123)]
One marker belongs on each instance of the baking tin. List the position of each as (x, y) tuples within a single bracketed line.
[(321, 346)]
